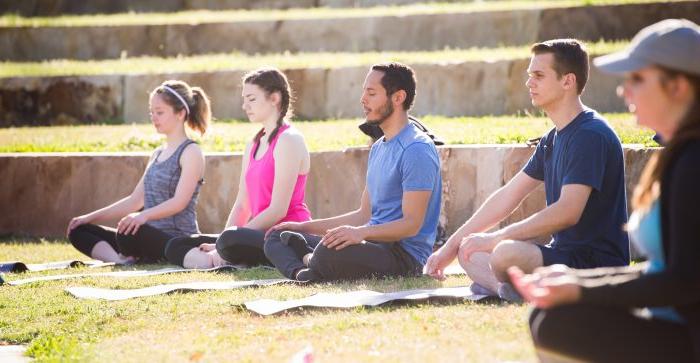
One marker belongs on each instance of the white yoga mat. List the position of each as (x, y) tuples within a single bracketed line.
[(134, 273), (123, 294), (17, 266), (353, 299), (454, 270)]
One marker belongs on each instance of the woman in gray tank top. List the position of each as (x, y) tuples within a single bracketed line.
[(162, 205)]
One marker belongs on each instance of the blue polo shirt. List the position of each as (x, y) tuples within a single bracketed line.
[(587, 151), (407, 162)]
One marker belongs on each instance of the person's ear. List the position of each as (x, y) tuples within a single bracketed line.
[(679, 88), (398, 97), (569, 81), (275, 98)]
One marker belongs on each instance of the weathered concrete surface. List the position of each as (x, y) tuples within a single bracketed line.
[(39, 193), (13, 354), (611, 22), (60, 7), (468, 88), (371, 33), (60, 100), (63, 7)]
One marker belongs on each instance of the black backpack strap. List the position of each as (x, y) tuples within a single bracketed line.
[(375, 132)]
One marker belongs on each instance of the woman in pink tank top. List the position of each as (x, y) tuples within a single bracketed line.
[(271, 187)]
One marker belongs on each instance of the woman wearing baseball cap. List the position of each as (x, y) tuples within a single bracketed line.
[(648, 312)]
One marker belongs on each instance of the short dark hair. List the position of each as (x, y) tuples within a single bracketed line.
[(570, 56), (396, 77)]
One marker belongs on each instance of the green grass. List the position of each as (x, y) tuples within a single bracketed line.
[(240, 61), (320, 135), (207, 16), (211, 326)]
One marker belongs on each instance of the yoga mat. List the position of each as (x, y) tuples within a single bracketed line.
[(123, 294), (454, 270), (17, 266), (353, 299), (133, 273)]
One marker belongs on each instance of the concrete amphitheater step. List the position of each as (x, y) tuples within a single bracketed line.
[(357, 32), (450, 89), (32, 8)]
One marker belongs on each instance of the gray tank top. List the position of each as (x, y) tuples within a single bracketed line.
[(160, 183)]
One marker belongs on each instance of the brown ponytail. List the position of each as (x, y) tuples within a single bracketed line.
[(198, 104), (688, 130), (201, 111), (272, 80)]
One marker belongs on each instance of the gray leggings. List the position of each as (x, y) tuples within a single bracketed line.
[(368, 259)]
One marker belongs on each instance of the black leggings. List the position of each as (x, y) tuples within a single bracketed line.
[(368, 259), (147, 244), (603, 334), (235, 245)]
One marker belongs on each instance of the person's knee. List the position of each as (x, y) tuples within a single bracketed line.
[(174, 250), (226, 240), (505, 255), (272, 243), (549, 327), (321, 259), (468, 262), (535, 315), (462, 257)]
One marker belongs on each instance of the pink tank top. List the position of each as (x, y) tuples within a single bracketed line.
[(259, 178)]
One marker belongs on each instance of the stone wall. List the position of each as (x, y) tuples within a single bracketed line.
[(468, 88), (361, 34), (39, 193)]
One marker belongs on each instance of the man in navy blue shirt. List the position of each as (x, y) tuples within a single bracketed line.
[(581, 164), (393, 231)]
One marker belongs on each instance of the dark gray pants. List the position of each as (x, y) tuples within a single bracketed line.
[(235, 245), (368, 259), (607, 334)]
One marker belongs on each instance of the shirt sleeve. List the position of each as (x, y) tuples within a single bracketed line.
[(679, 283), (420, 167), (585, 160), (535, 166)]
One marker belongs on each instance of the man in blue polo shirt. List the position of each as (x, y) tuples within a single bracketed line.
[(393, 231), (581, 164)]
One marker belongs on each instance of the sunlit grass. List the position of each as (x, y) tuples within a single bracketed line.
[(209, 16), (240, 61), (320, 135), (212, 326)]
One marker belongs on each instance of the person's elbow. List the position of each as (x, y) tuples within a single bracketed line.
[(179, 203), (413, 226), (276, 212), (569, 216)]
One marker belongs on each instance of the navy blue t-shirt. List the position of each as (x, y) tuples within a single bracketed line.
[(587, 151)]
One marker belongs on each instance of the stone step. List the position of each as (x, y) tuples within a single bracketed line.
[(450, 89), (350, 34), (33, 8), (68, 184)]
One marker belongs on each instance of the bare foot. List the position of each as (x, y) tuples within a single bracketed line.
[(126, 260), (306, 259)]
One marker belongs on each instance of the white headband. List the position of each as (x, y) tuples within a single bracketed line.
[(187, 108)]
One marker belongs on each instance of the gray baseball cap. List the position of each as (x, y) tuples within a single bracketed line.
[(671, 43)]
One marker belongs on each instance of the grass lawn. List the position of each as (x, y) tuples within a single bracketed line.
[(208, 16), (241, 61), (320, 135), (211, 326)]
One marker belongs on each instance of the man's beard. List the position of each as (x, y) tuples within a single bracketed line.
[(385, 111)]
